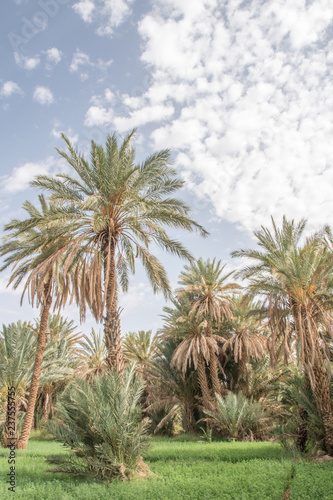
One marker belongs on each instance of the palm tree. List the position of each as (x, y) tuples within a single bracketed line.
[(60, 361), (204, 286), (180, 325), (140, 347), (297, 283), (17, 349), (246, 338), (115, 209), (92, 356), (171, 389), (35, 253)]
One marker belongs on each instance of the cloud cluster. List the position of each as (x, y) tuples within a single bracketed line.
[(107, 14), (26, 62), (81, 62), (245, 90), (43, 95), (9, 88), (21, 176)]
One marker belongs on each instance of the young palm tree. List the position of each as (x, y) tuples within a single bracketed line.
[(35, 254), (92, 356), (60, 361), (204, 286), (246, 337), (115, 209), (298, 279), (140, 347), (17, 349)]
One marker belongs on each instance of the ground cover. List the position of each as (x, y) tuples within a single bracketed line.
[(185, 469)]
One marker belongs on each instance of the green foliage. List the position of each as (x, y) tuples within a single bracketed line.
[(185, 470), (102, 422), (237, 416), (17, 349)]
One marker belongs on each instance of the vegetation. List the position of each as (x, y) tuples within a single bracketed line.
[(101, 421), (246, 361), (184, 468)]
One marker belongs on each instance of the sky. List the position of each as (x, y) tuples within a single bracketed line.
[(240, 91)]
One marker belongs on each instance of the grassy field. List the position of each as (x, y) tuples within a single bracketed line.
[(185, 469)]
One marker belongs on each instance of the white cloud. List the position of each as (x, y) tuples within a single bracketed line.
[(106, 14), (25, 62), (97, 115), (79, 59), (9, 88), (85, 9), (250, 86), (53, 57), (21, 176), (43, 95)]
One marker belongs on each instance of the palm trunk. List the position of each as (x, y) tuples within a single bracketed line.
[(302, 428), (241, 373), (214, 372), (46, 406), (112, 331), (188, 421), (206, 397), (321, 392), (41, 342)]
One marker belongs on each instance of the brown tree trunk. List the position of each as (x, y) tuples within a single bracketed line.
[(46, 406), (112, 331), (188, 419), (214, 372), (206, 396), (41, 342), (302, 428), (241, 365), (321, 392)]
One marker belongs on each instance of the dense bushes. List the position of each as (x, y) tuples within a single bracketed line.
[(103, 424)]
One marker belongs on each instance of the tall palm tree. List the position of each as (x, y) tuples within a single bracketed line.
[(297, 279), (246, 336), (17, 349), (204, 286), (115, 209), (35, 253)]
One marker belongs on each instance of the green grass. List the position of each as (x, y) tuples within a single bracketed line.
[(185, 469)]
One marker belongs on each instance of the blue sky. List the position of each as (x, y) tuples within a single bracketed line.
[(241, 91)]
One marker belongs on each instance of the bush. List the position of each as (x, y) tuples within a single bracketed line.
[(102, 423), (237, 416)]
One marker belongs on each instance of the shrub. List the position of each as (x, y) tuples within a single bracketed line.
[(102, 422), (237, 416)]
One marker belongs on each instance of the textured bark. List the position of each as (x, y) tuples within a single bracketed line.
[(41, 343), (112, 331), (214, 372), (188, 419), (321, 392), (46, 406), (206, 396), (302, 428), (241, 365)]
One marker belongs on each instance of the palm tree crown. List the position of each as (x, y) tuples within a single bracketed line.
[(115, 209)]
